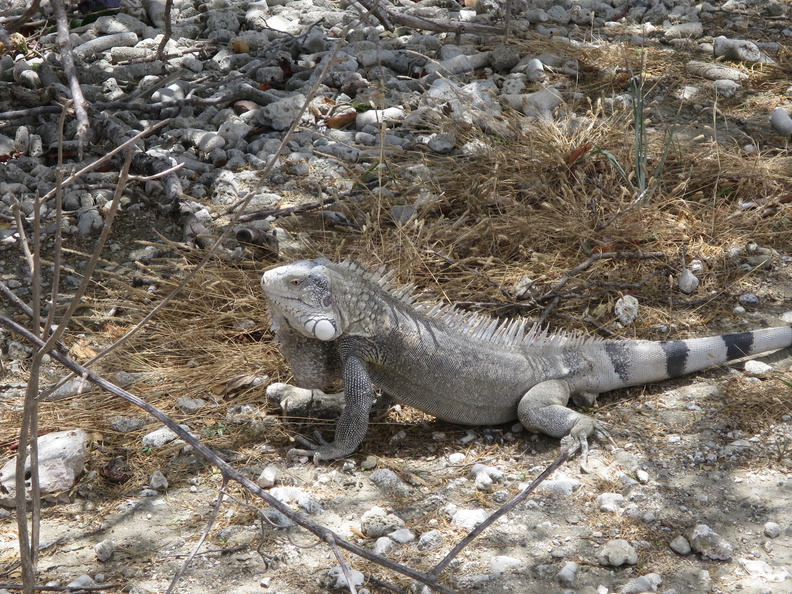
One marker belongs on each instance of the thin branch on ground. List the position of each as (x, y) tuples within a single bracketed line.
[(18, 23), (226, 469), (168, 30), (473, 534), (388, 16), (278, 212), (345, 569), (67, 59), (553, 294), (204, 536)]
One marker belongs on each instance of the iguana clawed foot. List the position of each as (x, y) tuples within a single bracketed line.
[(323, 450), (577, 440)]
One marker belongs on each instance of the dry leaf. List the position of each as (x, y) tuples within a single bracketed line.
[(235, 383), (341, 120), (82, 350)]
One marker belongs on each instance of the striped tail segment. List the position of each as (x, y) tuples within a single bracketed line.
[(686, 356)]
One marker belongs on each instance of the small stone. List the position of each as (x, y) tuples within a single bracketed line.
[(158, 481), (645, 583), (188, 405), (83, 581), (568, 575), (402, 536), (684, 31), (564, 486), (688, 282), (377, 522), (739, 50), (726, 88), (748, 300), (340, 578), (469, 518), (389, 483), (384, 546), (772, 530), (268, 477), (680, 545), (781, 121), (617, 553), (715, 71), (158, 438), (403, 214), (626, 309), (104, 550), (442, 142), (456, 458), (504, 58), (430, 540), (756, 368), (500, 564), (708, 543), (610, 502)]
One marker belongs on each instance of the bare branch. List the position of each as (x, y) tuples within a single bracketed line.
[(227, 470), (67, 58), (388, 16)]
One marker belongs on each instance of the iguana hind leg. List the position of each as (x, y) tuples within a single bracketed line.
[(543, 409)]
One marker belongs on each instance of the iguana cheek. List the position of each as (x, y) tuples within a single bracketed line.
[(323, 329)]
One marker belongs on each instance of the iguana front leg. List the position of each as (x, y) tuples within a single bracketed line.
[(353, 423), (543, 409)]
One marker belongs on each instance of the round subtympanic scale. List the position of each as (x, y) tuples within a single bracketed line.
[(324, 330)]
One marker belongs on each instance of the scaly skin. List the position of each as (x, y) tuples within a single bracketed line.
[(340, 320)]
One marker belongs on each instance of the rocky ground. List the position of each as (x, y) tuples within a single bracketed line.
[(411, 134)]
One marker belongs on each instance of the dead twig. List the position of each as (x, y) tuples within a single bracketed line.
[(227, 470), (473, 534), (388, 17), (67, 59), (199, 544), (553, 294), (278, 212)]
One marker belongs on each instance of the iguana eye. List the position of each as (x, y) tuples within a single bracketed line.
[(295, 282)]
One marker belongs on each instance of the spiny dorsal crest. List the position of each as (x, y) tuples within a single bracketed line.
[(477, 326)]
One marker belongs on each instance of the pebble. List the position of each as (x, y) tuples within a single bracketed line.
[(104, 550), (626, 309), (389, 483), (680, 545), (158, 481), (688, 282), (645, 583), (708, 543), (568, 575), (739, 50), (617, 553), (431, 540), (781, 121), (160, 437), (377, 522), (715, 71)]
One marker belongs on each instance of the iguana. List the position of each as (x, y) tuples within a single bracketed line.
[(343, 321)]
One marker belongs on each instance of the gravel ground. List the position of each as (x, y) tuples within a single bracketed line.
[(692, 499)]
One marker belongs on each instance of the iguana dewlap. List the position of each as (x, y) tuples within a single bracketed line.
[(343, 321)]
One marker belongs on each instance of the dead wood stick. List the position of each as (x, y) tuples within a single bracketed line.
[(388, 16), (553, 294), (67, 58), (276, 211), (227, 470), (473, 534)]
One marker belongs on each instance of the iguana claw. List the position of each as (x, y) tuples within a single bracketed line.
[(577, 439), (324, 450)]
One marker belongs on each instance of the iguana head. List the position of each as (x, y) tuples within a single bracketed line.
[(301, 293)]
